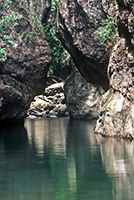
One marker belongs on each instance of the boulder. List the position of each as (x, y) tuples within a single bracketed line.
[(24, 57), (54, 88), (82, 98)]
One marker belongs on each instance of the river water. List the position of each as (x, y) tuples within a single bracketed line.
[(58, 159)]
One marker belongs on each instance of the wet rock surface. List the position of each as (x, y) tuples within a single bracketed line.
[(23, 73)]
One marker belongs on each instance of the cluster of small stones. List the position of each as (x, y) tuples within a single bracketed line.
[(50, 104)]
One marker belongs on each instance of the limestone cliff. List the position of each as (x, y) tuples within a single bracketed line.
[(24, 56), (117, 107)]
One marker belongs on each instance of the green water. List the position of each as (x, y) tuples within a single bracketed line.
[(55, 159)]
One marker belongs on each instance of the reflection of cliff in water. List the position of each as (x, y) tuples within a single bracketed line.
[(62, 159), (118, 160), (21, 171), (71, 147), (47, 134)]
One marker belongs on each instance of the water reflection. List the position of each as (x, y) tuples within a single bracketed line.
[(20, 173), (58, 159), (49, 134), (67, 144), (117, 158)]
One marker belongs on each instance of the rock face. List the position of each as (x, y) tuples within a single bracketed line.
[(23, 72), (51, 104), (82, 98), (117, 108), (76, 21)]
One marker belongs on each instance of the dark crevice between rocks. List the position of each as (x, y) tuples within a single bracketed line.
[(122, 28), (123, 32), (12, 122), (121, 4), (117, 135), (45, 15)]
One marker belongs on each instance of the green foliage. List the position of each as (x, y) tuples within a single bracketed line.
[(59, 54), (7, 38), (5, 22), (53, 4), (107, 31), (8, 3), (7, 19), (38, 25), (2, 55), (23, 34)]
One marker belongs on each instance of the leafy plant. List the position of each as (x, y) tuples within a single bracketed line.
[(6, 21), (59, 54), (53, 4), (2, 54), (38, 26), (7, 38), (107, 31), (23, 34), (9, 3)]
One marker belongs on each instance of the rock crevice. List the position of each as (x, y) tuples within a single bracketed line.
[(75, 24)]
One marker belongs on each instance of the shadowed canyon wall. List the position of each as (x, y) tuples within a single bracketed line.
[(75, 23)]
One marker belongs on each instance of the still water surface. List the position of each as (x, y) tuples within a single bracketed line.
[(58, 159)]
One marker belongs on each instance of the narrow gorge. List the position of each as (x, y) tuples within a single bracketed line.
[(107, 66)]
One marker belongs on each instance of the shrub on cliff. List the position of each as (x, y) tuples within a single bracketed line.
[(60, 65), (106, 33)]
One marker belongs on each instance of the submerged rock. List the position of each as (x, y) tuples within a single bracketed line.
[(82, 98), (25, 58)]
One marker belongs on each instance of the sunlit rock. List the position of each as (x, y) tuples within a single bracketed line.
[(50, 104), (117, 106)]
